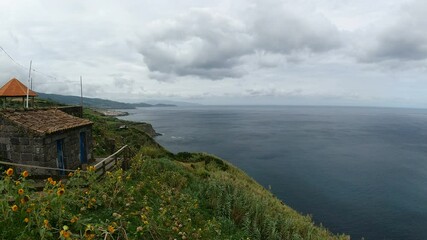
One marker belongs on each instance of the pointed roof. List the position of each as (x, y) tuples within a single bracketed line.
[(14, 88)]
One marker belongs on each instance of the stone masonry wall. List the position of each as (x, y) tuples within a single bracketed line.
[(71, 147), (21, 146), (76, 111)]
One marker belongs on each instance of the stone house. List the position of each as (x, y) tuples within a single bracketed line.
[(45, 137)]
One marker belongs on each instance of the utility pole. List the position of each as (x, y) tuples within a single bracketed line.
[(29, 83), (81, 91)]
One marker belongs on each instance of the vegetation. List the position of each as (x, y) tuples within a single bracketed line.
[(97, 102), (162, 196)]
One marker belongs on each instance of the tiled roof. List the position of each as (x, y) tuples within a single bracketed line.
[(14, 88), (44, 121)]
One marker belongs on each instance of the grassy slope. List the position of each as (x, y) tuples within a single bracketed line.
[(162, 196), (240, 206)]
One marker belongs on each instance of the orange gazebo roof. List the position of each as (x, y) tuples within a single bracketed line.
[(14, 88)]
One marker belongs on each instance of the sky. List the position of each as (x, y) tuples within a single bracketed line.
[(282, 52)]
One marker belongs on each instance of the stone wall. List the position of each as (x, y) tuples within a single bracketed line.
[(21, 146), (76, 111), (71, 147)]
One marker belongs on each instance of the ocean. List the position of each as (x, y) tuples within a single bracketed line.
[(356, 170)]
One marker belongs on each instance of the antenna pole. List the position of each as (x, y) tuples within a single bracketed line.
[(81, 91), (29, 82)]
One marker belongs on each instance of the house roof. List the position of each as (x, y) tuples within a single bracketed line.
[(44, 121), (14, 88)]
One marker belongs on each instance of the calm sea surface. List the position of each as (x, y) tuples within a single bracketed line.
[(360, 171)]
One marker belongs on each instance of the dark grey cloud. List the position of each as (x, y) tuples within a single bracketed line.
[(405, 39), (212, 46), (199, 43)]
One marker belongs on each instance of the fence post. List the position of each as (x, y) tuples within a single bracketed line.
[(103, 168)]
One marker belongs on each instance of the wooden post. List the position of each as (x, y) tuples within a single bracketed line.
[(103, 168)]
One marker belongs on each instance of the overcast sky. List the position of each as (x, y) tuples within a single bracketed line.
[(328, 52)]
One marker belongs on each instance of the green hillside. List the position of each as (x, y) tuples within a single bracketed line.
[(97, 102), (162, 196)]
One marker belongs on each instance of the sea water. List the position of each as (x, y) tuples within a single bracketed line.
[(359, 171)]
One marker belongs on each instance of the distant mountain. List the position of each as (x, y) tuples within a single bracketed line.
[(97, 102), (175, 103)]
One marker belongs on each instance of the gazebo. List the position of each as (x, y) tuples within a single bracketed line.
[(15, 89)]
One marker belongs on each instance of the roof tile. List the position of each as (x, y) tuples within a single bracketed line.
[(44, 121), (14, 88)]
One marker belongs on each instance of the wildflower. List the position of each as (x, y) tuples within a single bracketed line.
[(139, 229), (91, 169), (74, 219), (53, 183), (21, 191), (14, 208), (60, 192), (46, 223), (17, 183), (25, 174), (26, 220), (9, 172), (146, 222), (89, 233), (93, 200), (50, 179), (70, 174), (65, 233), (111, 229)]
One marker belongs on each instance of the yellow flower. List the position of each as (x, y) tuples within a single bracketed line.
[(25, 174), (70, 174), (14, 208), (74, 219), (17, 183), (89, 234), (21, 191), (26, 220), (9, 172), (46, 223), (50, 179), (111, 229), (60, 192), (65, 233)]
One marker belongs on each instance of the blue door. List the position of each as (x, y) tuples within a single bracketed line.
[(83, 153), (60, 150)]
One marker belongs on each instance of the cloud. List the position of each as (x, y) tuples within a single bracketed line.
[(287, 27), (210, 45), (403, 40), (199, 43)]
